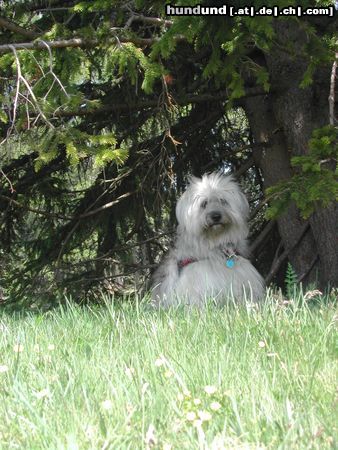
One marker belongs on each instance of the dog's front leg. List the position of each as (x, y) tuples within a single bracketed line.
[(165, 281)]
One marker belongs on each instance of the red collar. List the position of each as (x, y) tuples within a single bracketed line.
[(185, 262), (229, 254)]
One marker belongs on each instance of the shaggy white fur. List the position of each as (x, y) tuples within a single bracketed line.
[(209, 259)]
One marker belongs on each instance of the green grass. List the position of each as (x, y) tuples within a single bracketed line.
[(119, 377)]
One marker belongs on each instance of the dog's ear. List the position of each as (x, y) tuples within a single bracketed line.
[(192, 180), (244, 204), (180, 229), (183, 209), (179, 211)]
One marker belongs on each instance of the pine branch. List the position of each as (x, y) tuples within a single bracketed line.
[(53, 5), (182, 101), (125, 107), (61, 216), (34, 210), (9, 25), (156, 21), (74, 43)]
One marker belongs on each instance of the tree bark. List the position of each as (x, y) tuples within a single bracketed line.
[(287, 118)]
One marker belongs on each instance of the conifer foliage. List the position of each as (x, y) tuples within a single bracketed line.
[(107, 106)]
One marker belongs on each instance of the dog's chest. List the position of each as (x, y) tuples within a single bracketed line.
[(215, 270)]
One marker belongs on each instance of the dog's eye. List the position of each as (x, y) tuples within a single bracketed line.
[(223, 201), (204, 204)]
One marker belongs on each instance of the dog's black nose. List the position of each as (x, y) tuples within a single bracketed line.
[(215, 216)]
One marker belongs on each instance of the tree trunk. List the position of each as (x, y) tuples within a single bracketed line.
[(286, 119), (274, 162)]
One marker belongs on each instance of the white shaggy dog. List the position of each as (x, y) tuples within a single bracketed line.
[(209, 259)]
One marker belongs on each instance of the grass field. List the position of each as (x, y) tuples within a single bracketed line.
[(120, 377)]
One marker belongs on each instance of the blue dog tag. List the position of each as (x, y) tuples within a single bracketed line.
[(230, 263)]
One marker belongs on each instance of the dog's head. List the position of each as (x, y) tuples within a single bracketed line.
[(213, 207)]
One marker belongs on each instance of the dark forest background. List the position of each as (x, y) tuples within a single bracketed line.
[(108, 106)]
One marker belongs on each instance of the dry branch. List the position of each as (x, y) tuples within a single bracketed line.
[(262, 236), (332, 91), (105, 206), (278, 261), (245, 167), (260, 205)]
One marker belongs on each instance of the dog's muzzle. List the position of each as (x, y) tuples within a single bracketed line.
[(217, 218)]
